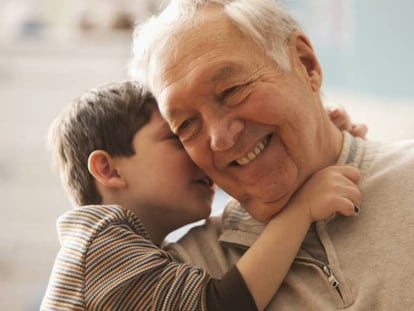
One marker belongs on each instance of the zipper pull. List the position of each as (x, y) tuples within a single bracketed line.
[(331, 278)]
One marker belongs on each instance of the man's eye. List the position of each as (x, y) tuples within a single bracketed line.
[(173, 136), (175, 139), (228, 91), (189, 129), (234, 95), (184, 125)]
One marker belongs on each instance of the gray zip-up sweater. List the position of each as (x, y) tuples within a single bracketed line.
[(353, 263)]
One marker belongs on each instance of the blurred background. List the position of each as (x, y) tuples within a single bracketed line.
[(52, 51)]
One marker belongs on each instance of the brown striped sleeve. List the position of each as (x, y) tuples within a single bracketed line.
[(107, 262), (126, 272)]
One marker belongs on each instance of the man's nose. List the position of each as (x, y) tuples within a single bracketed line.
[(224, 133)]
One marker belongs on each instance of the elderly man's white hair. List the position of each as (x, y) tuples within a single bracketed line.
[(264, 21)]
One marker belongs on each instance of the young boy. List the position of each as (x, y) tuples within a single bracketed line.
[(134, 184)]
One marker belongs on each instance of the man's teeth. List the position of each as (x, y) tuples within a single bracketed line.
[(254, 153)]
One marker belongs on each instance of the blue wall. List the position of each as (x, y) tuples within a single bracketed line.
[(378, 59)]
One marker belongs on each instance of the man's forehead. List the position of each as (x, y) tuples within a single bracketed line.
[(211, 29), (208, 78), (167, 112), (169, 108)]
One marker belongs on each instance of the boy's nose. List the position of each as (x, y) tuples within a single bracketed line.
[(224, 133)]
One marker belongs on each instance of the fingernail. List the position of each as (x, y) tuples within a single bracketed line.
[(356, 210)]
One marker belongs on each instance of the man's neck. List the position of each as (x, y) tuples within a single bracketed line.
[(330, 143)]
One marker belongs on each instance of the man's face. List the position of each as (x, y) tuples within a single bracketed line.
[(250, 127)]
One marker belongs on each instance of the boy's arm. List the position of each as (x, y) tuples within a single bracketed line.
[(123, 269), (265, 265)]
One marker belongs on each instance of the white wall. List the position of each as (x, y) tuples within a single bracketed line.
[(41, 74)]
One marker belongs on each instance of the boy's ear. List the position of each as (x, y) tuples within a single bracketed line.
[(102, 168)]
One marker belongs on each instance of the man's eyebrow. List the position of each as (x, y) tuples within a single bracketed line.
[(224, 73), (170, 114)]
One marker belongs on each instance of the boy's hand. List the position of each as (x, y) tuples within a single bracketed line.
[(330, 190), (343, 121)]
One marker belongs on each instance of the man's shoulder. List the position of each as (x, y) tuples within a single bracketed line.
[(219, 243), (200, 247), (394, 155), (392, 146), (210, 230), (388, 170)]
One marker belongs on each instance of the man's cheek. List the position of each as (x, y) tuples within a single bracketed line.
[(195, 155)]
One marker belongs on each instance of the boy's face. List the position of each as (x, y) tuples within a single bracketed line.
[(163, 185)]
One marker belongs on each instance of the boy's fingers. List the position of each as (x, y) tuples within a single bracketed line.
[(359, 130), (334, 112), (350, 172), (352, 199), (340, 118), (345, 207), (349, 208)]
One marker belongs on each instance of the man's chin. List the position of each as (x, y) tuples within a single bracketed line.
[(266, 216), (263, 212)]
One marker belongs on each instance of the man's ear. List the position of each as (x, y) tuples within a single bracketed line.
[(304, 59), (102, 168)]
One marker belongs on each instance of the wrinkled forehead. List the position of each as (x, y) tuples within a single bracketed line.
[(210, 29)]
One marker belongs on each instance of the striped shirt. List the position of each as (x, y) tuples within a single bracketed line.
[(107, 262)]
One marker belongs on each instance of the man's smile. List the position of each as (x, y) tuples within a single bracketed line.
[(254, 152)]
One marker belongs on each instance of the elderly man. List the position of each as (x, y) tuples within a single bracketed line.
[(239, 83)]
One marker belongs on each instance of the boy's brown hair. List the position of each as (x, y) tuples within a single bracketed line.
[(103, 118)]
